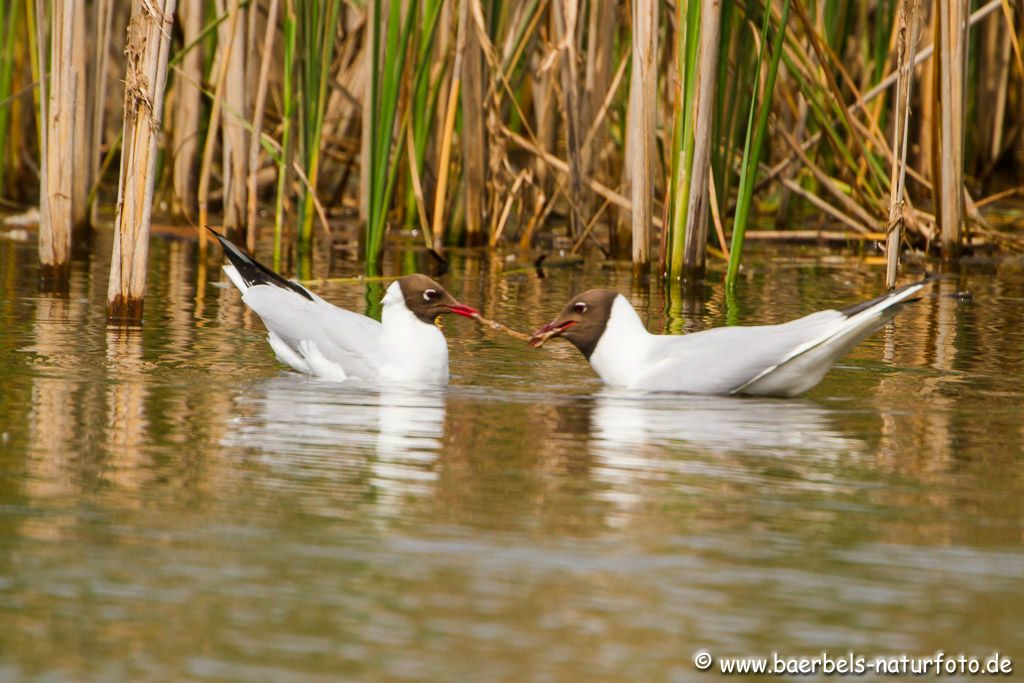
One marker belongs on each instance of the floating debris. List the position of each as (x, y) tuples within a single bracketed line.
[(25, 219)]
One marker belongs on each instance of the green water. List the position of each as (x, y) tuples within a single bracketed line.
[(174, 505)]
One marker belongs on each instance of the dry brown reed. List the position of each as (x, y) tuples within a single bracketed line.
[(147, 50), (641, 133), (543, 122)]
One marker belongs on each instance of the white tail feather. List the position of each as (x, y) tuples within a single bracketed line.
[(804, 367), (236, 278)]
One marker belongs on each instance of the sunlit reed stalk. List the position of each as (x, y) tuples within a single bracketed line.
[(951, 47), (909, 15), (642, 133), (754, 140), (698, 199), (148, 45), (38, 13), (56, 209), (82, 152)]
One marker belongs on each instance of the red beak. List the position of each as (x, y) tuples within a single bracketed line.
[(552, 329), (463, 310)]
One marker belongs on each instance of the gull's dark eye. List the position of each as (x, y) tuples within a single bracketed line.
[(579, 307), (430, 294)]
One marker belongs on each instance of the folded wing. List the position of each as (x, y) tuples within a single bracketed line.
[(316, 337), (307, 333), (771, 360)]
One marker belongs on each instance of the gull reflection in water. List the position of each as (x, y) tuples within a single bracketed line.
[(383, 437), (636, 437), (716, 423)]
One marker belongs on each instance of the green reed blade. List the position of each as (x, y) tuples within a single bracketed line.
[(288, 105), (8, 9), (754, 141)]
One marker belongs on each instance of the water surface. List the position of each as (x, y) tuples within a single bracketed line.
[(175, 505)]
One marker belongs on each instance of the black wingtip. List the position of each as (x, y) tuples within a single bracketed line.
[(853, 310), (252, 271)]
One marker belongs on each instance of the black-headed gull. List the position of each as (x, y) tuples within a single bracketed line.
[(315, 337), (767, 360)]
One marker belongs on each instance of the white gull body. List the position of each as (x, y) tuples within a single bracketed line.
[(315, 337), (768, 360)]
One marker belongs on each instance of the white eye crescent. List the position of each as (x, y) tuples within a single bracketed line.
[(430, 294), (580, 307)]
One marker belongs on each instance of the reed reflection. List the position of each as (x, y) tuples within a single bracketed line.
[(52, 418), (127, 426)]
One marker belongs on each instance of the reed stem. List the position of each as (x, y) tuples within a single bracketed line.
[(56, 212), (206, 168), (257, 123), (187, 111), (288, 103), (951, 45), (147, 49), (642, 134), (909, 16), (754, 141)]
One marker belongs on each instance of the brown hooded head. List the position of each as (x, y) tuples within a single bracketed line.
[(427, 299), (582, 321)]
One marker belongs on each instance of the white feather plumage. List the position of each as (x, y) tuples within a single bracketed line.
[(767, 360), (318, 338)]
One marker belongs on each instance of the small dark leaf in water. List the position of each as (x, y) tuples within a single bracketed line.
[(538, 265)]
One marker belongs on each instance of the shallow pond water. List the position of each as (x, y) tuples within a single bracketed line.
[(175, 505)]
